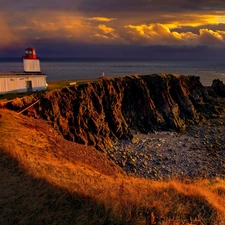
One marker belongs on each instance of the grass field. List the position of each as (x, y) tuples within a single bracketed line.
[(63, 83), (48, 180)]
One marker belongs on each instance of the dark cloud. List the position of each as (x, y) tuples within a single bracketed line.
[(30, 6), (163, 6), (205, 4), (113, 6), (61, 49)]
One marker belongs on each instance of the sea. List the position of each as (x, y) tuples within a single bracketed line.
[(77, 68)]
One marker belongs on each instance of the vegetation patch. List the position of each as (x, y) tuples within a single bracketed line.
[(48, 180)]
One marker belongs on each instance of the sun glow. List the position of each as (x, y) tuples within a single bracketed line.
[(221, 19), (192, 20), (101, 19)]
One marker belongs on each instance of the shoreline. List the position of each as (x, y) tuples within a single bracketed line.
[(166, 155)]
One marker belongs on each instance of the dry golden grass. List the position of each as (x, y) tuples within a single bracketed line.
[(63, 83), (48, 180)]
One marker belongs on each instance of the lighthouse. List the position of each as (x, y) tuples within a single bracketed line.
[(31, 79), (31, 64)]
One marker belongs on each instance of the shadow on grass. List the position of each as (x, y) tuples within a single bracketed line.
[(30, 201), (26, 200)]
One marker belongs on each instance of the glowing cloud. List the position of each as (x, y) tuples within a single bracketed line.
[(153, 34), (209, 37), (159, 34), (6, 35), (101, 19), (173, 29), (106, 29), (59, 26), (53, 25), (106, 33)]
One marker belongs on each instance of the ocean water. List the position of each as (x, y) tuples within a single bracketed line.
[(69, 69)]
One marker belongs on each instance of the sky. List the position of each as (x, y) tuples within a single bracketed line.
[(113, 28)]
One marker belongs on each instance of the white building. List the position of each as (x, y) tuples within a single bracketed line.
[(30, 80), (11, 82)]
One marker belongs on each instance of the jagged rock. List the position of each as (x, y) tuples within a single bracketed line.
[(219, 88), (103, 112)]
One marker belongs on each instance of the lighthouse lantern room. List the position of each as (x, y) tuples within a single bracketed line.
[(30, 53), (30, 62)]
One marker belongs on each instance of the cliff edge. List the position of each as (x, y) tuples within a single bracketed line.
[(102, 112)]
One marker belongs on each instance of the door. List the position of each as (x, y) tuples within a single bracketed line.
[(29, 86)]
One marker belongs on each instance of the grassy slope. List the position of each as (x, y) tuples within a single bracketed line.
[(48, 180)]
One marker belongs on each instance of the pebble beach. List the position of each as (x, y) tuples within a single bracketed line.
[(196, 154)]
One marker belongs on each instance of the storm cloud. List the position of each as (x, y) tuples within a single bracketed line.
[(112, 23)]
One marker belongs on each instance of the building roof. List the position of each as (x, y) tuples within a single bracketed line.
[(21, 74), (30, 48)]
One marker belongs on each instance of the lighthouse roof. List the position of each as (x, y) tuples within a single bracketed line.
[(20, 74), (30, 48)]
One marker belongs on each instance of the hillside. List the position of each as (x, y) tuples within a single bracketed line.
[(46, 179)]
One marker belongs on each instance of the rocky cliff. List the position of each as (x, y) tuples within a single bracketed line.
[(102, 112)]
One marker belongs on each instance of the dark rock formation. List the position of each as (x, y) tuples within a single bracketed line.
[(219, 88), (100, 113)]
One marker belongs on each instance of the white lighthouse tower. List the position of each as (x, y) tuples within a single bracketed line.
[(31, 64)]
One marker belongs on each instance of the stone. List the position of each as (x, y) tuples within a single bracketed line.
[(145, 163), (218, 87), (123, 163)]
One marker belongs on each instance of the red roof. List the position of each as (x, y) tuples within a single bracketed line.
[(31, 49)]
